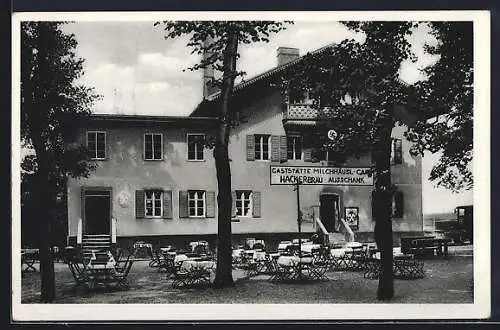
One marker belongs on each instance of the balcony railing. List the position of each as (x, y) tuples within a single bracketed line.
[(307, 114)]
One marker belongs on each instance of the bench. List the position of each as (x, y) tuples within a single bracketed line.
[(424, 246)]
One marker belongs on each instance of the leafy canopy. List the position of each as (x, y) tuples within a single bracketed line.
[(448, 92), (355, 84), (52, 102), (209, 38)]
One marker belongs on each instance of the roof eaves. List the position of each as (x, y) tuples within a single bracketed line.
[(270, 72), (147, 118)]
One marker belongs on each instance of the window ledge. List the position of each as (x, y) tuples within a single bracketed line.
[(195, 160)]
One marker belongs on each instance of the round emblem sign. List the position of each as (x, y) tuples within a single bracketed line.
[(332, 134)]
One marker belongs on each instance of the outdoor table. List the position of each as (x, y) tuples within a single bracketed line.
[(283, 245), (298, 268), (193, 271), (194, 263), (309, 247), (237, 253), (275, 255), (259, 255), (180, 258), (166, 249), (143, 249)]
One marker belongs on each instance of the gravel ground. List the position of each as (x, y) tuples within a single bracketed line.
[(446, 281)]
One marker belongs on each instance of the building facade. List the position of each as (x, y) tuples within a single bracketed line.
[(156, 181)]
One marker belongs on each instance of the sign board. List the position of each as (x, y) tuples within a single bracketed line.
[(332, 134), (310, 175)]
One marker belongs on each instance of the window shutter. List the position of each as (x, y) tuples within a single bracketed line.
[(308, 155), (139, 204), (396, 151), (250, 147), (210, 199), (167, 204), (283, 145), (399, 204), (183, 204), (256, 204), (275, 148), (233, 204)]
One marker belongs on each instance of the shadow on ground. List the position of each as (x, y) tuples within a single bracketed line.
[(447, 281)]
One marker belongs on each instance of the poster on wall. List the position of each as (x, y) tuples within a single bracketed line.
[(352, 217)]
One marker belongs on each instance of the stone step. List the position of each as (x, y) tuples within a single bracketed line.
[(90, 239), (96, 242), (336, 239)]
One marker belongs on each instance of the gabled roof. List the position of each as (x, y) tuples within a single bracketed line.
[(261, 77)]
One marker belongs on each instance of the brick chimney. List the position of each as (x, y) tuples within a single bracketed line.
[(286, 54), (208, 74)]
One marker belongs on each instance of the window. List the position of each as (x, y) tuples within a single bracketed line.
[(196, 203), (244, 203), (262, 143), (96, 144), (153, 203), (294, 147), (153, 146), (196, 143), (396, 151)]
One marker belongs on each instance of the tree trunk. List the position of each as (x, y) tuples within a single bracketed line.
[(47, 275), (223, 276), (382, 210), (37, 106)]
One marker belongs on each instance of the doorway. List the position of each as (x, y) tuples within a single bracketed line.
[(329, 211), (97, 212)]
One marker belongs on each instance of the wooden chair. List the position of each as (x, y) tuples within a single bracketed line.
[(318, 268), (155, 259), (121, 272), (167, 264), (78, 273), (122, 264), (280, 273)]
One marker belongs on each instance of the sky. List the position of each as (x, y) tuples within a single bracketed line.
[(137, 71)]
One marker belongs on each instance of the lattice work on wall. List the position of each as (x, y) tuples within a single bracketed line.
[(307, 112)]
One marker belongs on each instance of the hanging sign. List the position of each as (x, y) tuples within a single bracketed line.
[(310, 175), (332, 134)]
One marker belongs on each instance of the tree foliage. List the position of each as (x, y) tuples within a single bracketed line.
[(447, 96), (218, 42), (355, 83), (358, 86), (51, 102)]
